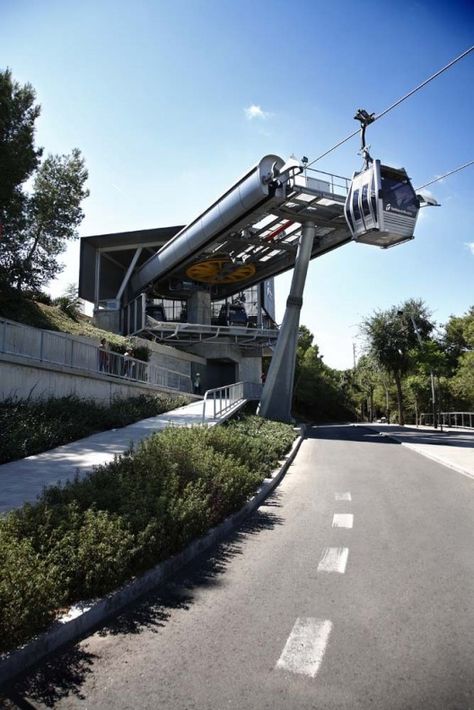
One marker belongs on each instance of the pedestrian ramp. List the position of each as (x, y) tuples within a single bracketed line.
[(22, 481)]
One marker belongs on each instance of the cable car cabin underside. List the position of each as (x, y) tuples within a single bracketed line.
[(381, 206)]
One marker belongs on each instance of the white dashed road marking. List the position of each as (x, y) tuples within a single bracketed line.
[(343, 496), (334, 559), (305, 647), (343, 520)]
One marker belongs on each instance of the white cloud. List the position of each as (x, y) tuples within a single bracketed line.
[(470, 246), (255, 111)]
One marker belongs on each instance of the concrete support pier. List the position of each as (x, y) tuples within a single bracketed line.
[(277, 393), (199, 308)]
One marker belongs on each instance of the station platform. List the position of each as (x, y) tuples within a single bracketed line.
[(23, 481)]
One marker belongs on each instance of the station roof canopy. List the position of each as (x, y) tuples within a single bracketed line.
[(116, 251)]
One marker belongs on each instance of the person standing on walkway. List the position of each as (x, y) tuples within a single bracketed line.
[(103, 356), (128, 363), (197, 383)]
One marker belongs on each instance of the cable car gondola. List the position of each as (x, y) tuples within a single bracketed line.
[(381, 205)]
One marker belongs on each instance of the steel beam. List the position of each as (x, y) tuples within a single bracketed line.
[(127, 276), (277, 392)]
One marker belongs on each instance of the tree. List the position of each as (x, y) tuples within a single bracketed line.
[(391, 338), (367, 379), (459, 336), (35, 225), (462, 384), (305, 340), (18, 156), (320, 392), (69, 302)]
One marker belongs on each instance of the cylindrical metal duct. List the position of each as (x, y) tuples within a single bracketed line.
[(250, 191)]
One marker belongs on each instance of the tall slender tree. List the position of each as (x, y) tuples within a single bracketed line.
[(36, 224), (391, 335)]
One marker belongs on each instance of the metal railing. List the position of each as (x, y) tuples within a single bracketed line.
[(136, 318), (462, 420), (221, 399), (339, 185), (62, 349)]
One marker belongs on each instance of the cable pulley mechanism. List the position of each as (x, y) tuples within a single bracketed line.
[(220, 270)]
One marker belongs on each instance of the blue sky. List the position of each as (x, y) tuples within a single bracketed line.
[(155, 94)]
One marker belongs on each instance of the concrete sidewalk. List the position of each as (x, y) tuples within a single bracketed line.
[(22, 481), (453, 448)]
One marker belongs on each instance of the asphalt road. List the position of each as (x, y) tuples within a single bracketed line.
[(352, 588)]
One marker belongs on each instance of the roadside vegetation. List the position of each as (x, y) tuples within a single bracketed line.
[(85, 538), (30, 427), (321, 393), (403, 355), (406, 355)]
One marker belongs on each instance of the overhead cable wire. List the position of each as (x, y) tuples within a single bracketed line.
[(451, 172), (397, 103)]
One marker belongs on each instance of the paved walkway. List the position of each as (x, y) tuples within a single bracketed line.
[(452, 447), (22, 481)]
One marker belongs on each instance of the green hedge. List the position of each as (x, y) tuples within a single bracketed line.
[(85, 538), (31, 427)]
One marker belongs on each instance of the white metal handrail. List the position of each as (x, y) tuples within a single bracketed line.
[(223, 399), (62, 349)]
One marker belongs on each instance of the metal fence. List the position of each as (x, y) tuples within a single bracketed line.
[(220, 400), (462, 420), (61, 349)]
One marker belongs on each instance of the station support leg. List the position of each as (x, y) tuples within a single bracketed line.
[(199, 308), (277, 392)]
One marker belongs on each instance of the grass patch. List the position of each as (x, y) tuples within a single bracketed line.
[(49, 317), (88, 536), (31, 427)]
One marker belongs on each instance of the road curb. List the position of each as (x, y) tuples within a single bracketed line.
[(85, 617)]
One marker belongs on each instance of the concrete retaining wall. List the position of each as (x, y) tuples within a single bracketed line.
[(20, 378)]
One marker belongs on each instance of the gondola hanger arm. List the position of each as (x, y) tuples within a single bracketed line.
[(365, 119)]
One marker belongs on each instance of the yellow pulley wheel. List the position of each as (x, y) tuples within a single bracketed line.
[(219, 271)]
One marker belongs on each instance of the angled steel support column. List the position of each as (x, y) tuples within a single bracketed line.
[(127, 276), (277, 393)]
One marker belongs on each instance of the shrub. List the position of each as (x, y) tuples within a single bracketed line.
[(140, 352), (85, 537), (31, 427), (28, 590), (40, 297)]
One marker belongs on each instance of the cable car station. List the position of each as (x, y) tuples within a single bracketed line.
[(207, 288)]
